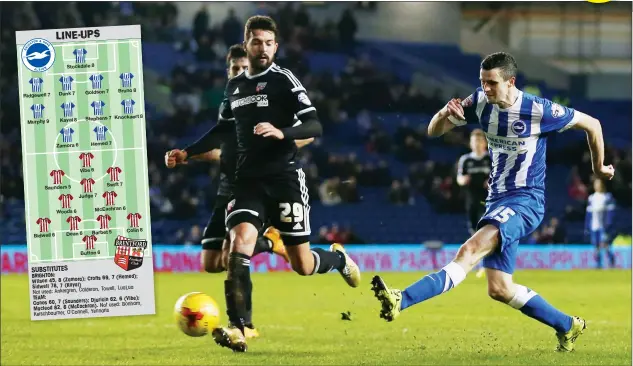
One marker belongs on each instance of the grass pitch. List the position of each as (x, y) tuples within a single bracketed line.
[(300, 322)]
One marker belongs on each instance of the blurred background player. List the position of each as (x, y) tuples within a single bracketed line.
[(215, 244), (473, 170), (260, 104), (514, 122), (599, 221)]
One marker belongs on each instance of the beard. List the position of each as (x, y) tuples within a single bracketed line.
[(258, 64)]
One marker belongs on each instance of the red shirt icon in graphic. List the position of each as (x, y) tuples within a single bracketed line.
[(104, 221), (134, 219), (57, 176), (109, 197), (114, 172), (90, 241), (43, 222), (87, 184), (85, 159), (66, 198), (74, 222)]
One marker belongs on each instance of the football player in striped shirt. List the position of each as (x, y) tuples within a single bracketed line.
[(599, 221), (516, 125)]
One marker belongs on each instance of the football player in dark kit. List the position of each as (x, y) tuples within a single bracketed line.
[(473, 170), (270, 185), (214, 241)]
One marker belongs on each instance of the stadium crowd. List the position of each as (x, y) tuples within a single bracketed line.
[(356, 95)]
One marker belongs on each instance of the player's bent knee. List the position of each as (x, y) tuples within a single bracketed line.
[(468, 252), (243, 238), (301, 259), (500, 293), (302, 269), (479, 245), (212, 261)]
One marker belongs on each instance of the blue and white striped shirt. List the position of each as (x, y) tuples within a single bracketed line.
[(517, 138), (600, 209)]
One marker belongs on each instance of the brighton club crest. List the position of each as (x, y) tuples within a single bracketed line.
[(129, 252)]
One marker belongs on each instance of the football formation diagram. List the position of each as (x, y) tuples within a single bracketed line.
[(83, 141)]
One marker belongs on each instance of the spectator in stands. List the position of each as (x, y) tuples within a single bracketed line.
[(347, 28), (400, 194), (322, 238), (379, 142), (183, 93), (621, 185), (577, 189), (403, 131), (328, 192), (349, 190), (334, 235), (205, 52), (232, 29), (349, 236), (194, 236), (554, 233), (201, 22), (412, 151)]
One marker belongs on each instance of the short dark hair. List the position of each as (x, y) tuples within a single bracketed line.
[(261, 22), (503, 61), (235, 51)]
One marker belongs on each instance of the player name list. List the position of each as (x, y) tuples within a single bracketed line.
[(63, 291)]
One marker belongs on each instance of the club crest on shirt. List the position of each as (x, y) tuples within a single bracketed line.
[(229, 206), (557, 110), (518, 127), (260, 87)]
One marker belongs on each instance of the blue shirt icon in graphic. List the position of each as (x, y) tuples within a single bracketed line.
[(100, 131), (67, 134), (80, 55), (96, 80), (68, 108), (128, 106), (36, 85), (97, 107), (38, 110)]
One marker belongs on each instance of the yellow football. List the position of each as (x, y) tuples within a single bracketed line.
[(196, 314)]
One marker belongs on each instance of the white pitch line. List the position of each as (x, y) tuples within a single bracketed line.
[(75, 259), (85, 151), (112, 228), (92, 71), (96, 242), (74, 58), (95, 43)]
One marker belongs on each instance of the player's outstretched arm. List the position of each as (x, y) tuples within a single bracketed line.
[(209, 141), (447, 118), (213, 155), (309, 129), (596, 144), (304, 142), (462, 179)]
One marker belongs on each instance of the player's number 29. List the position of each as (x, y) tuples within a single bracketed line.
[(297, 211)]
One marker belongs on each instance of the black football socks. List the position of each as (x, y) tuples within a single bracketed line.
[(237, 290), (325, 261), (262, 245)]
